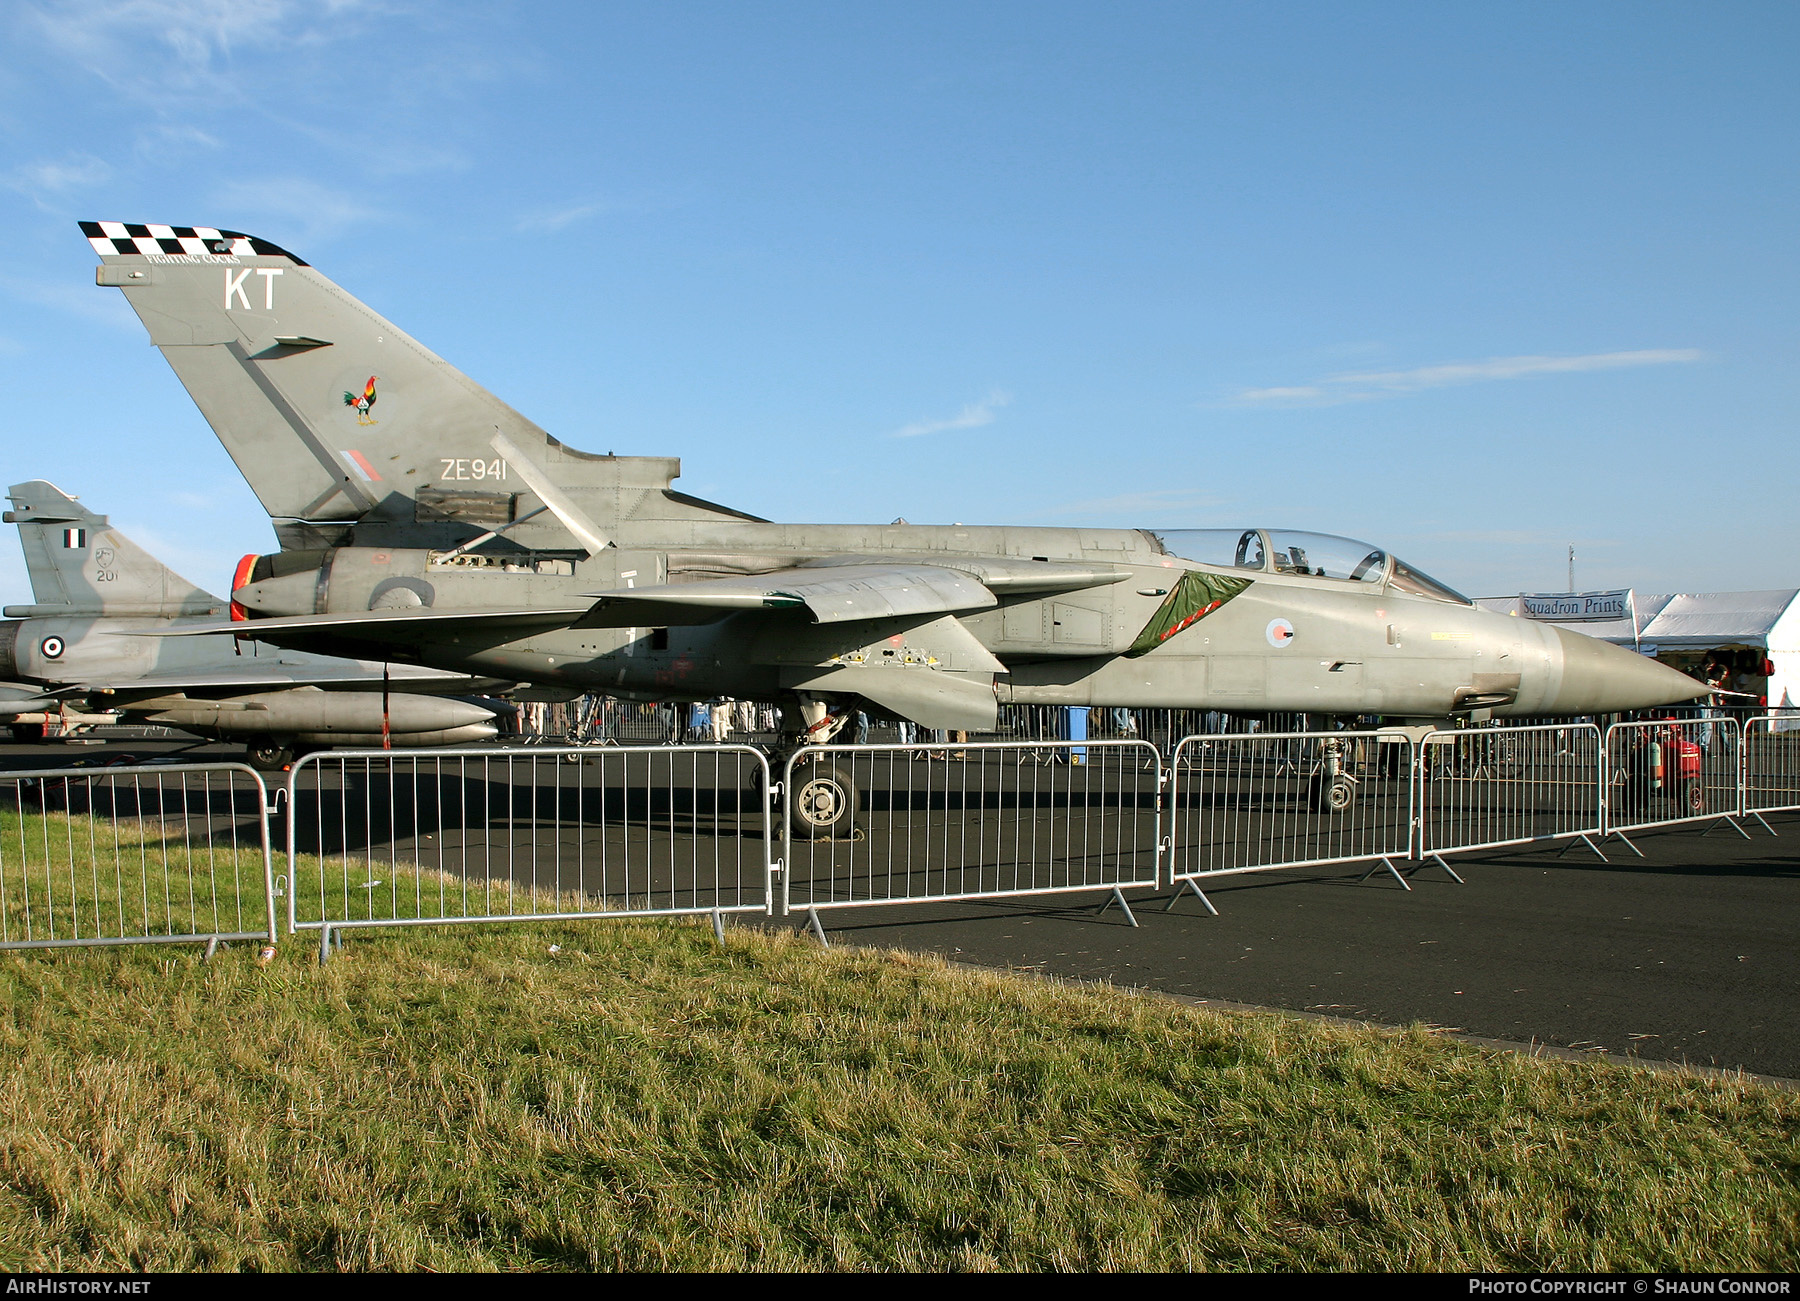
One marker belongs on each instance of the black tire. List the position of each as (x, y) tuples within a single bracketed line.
[(25, 733), (1693, 796), (1327, 794), (824, 802), (269, 756), (55, 794)]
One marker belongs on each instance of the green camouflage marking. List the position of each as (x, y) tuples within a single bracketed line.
[(1195, 596)]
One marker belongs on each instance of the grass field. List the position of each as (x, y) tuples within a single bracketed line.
[(634, 1095)]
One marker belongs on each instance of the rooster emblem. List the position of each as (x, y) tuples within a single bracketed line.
[(364, 403)]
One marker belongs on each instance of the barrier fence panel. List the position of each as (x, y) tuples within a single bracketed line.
[(1667, 771), (1258, 802), (1772, 763), (135, 855), (598, 719), (880, 824), (1484, 787), (408, 837)]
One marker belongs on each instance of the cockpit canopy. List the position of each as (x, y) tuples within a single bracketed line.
[(1318, 555)]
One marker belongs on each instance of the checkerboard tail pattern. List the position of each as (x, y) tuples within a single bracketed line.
[(120, 238)]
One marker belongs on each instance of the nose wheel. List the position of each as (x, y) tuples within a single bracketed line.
[(1331, 793), (1332, 788), (270, 756)]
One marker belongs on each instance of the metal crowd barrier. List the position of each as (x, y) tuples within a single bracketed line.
[(159, 854), (883, 824), (599, 719), (1269, 801), (1663, 772), (1771, 779), (181, 853), (1481, 788), (429, 837)]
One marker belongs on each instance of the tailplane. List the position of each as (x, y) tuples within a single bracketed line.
[(337, 418), (80, 565)]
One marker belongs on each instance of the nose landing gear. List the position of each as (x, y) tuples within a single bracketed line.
[(1332, 788)]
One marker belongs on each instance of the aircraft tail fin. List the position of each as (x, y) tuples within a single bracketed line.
[(336, 417), (79, 564)]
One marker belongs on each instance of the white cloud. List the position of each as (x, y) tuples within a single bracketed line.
[(316, 212), (182, 555), (546, 223), (15, 582), (76, 299), (1296, 394), (53, 179), (1364, 386), (118, 40), (973, 416), (548, 220), (1161, 502)]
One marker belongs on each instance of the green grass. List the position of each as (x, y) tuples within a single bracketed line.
[(646, 1098), (70, 876)]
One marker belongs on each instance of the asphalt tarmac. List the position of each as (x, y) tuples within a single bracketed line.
[(1685, 955)]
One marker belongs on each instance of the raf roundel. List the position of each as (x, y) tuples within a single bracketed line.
[(1279, 632), (51, 648)]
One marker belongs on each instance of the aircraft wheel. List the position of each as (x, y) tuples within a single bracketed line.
[(270, 756), (823, 803), (1331, 794)]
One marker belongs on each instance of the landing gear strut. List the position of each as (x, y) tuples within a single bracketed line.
[(1332, 789), (825, 798)]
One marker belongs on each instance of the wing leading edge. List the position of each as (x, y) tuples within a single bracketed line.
[(845, 591)]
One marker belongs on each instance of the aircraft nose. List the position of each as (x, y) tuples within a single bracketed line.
[(1600, 678)]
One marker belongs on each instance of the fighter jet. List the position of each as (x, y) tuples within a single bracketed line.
[(421, 517), (97, 596)]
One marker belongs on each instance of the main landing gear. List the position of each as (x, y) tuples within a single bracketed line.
[(825, 800)]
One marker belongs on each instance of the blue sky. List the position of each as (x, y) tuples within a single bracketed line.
[(1472, 282)]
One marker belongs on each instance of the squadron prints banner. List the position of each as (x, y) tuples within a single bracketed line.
[(1578, 607)]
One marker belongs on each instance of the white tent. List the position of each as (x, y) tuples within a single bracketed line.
[(1701, 621)]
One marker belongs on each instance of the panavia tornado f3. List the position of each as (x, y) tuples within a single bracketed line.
[(421, 517), (90, 635)]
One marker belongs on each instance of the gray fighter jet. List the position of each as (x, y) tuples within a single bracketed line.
[(420, 516), (97, 596)]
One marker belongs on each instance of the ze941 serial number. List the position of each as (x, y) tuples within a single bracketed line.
[(456, 467)]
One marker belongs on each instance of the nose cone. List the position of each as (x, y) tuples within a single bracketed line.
[(1600, 678)]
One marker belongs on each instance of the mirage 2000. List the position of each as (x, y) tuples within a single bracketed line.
[(420, 516), (97, 597)]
